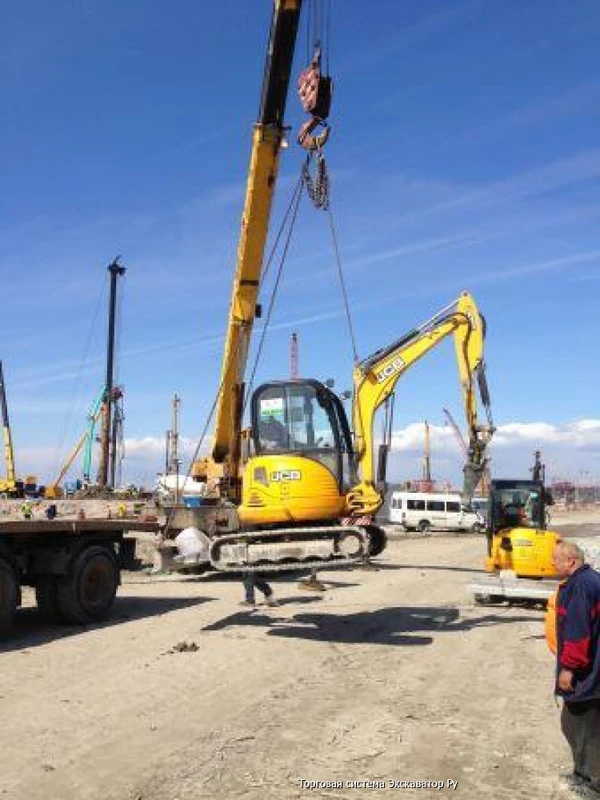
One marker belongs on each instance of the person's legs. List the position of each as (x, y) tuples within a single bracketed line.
[(262, 585), (572, 722), (590, 720), (249, 584)]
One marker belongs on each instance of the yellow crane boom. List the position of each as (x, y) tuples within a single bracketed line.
[(269, 132)]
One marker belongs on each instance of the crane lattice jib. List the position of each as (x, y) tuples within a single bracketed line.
[(264, 161), (375, 379)]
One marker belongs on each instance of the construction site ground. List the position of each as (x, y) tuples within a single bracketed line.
[(392, 675)]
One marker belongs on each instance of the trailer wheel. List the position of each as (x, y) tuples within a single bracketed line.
[(377, 540), (88, 592), (9, 594), (46, 597)]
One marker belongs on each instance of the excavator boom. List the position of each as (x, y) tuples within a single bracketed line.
[(376, 377)]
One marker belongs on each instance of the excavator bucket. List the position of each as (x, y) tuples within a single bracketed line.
[(471, 476)]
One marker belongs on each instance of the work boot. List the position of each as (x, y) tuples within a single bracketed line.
[(313, 584), (571, 779), (579, 786)]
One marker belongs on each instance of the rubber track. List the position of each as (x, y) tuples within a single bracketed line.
[(286, 566)]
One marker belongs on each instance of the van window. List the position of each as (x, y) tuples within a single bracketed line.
[(415, 505), (455, 507), (435, 505)]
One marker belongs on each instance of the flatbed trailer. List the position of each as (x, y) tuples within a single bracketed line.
[(74, 565)]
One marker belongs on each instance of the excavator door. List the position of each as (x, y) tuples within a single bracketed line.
[(303, 457)]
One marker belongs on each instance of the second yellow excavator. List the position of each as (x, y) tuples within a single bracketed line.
[(519, 562)]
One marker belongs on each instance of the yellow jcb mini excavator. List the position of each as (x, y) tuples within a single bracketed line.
[(299, 487), (309, 489), (519, 562)]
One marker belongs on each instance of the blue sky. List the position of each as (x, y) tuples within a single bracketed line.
[(464, 155)]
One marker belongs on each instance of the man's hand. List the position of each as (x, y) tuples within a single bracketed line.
[(565, 680)]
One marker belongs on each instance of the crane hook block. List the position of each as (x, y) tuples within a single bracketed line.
[(306, 138), (315, 91)]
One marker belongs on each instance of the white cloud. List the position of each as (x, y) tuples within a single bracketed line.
[(583, 433), (570, 450), (152, 448)]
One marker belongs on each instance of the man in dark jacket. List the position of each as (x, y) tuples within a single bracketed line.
[(578, 663)]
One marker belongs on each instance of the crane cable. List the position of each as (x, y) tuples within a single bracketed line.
[(292, 215), (318, 187), (319, 191), (289, 218), (75, 399), (342, 280)]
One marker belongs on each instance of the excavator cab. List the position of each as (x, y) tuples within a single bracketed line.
[(303, 458), (517, 537)]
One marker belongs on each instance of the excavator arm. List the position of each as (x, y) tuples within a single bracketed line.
[(376, 377), (268, 136)]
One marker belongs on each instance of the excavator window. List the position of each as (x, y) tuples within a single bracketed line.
[(305, 418), (517, 505)]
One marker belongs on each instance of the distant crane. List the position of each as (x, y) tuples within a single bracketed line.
[(294, 373), (457, 432), (172, 459), (538, 471), (9, 484), (485, 478), (89, 437), (427, 482)]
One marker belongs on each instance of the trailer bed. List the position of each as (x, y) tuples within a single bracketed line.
[(76, 526)]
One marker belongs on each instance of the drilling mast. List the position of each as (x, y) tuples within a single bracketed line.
[(427, 457), (173, 439), (106, 435)]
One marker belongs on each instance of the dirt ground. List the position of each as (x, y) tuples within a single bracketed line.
[(391, 676)]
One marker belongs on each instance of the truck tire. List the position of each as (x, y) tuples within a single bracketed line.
[(46, 597), (9, 595), (377, 540), (88, 592)]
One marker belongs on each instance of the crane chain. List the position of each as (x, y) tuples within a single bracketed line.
[(318, 187)]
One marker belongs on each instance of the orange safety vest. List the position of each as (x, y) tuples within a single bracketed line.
[(550, 621)]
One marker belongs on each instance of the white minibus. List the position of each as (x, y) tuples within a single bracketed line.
[(425, 511)]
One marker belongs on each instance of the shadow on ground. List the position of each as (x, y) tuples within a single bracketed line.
[(401, 625), (31, 630)]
